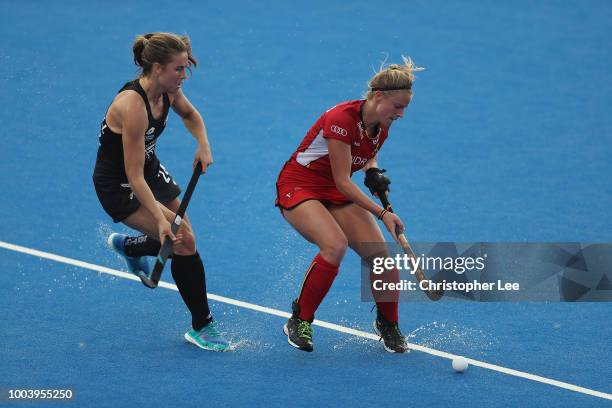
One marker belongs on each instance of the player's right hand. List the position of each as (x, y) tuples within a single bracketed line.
[(391, 220), (165, 230)]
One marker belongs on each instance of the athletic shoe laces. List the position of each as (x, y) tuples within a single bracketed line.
[(304, 330), (391, 330), (210, 332)]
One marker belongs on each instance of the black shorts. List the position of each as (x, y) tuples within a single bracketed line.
[(120, 202)]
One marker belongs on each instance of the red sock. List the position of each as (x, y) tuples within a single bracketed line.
[(388, 310), (387, 300), (319, 278)]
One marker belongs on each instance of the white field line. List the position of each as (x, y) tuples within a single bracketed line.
[(320, 323)]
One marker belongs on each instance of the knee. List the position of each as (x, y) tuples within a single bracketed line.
[(375, 255), (334, 249), (187, 245)]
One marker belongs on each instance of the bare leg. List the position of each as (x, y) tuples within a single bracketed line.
[(187, 267), (143, 221), (315, 223), (361, 228)]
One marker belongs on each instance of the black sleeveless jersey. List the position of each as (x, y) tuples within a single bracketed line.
[(109, 162)]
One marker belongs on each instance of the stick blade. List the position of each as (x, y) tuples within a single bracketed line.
[(148, 282), (434, 295), (153, 280)]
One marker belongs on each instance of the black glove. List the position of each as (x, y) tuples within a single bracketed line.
[(376, 181)]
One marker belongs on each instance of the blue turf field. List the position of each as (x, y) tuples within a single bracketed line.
[(508, 138)]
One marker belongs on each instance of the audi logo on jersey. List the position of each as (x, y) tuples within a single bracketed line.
[(339, 130)]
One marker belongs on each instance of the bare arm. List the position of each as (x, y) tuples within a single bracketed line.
[(195, 125), (340, 159), (133, 116)]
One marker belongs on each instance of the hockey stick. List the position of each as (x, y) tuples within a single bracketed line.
[(166, 249), (418, 273)]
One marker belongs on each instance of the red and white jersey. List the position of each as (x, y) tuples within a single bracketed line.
[(343, 123)]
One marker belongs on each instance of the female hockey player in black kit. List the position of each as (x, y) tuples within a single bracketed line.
[(135, 189)]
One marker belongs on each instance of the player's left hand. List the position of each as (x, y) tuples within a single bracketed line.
[(376, 181), (204, 156)]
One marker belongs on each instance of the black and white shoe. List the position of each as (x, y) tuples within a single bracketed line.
[(393, 339), (298, 331)]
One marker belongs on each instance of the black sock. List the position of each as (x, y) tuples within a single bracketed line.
[(188, 273), (141, 245)]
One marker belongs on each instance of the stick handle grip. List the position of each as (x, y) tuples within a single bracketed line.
[(166, 248), (382, 195), (419, 274)]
